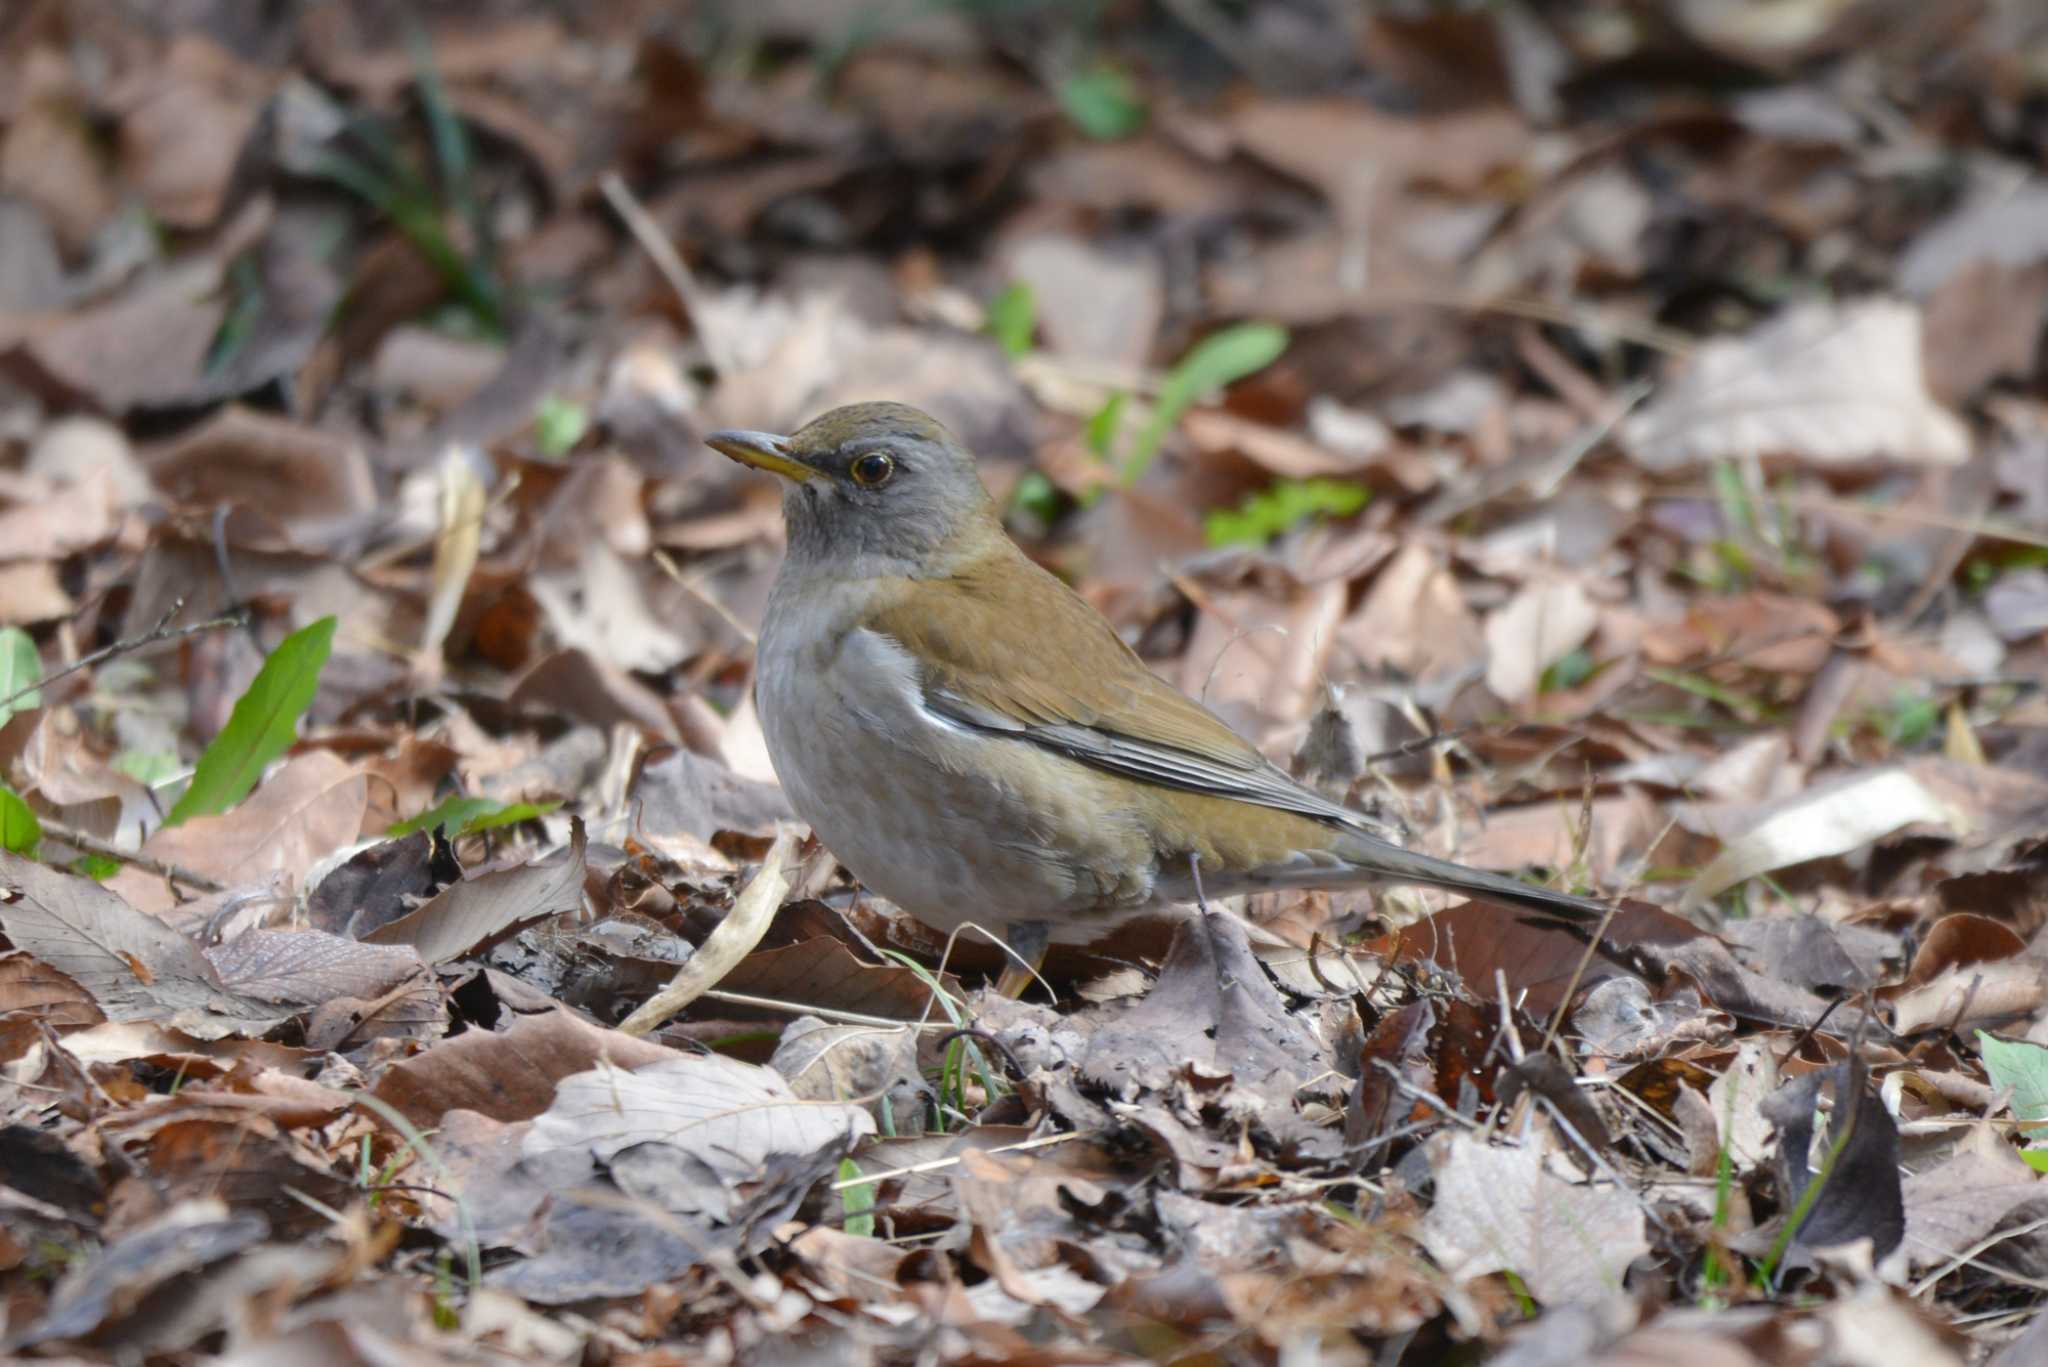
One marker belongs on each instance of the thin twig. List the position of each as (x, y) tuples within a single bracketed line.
[(933, 1165), (1564, 1002), (93, 845), (690, 585), (668, 261), (162, 631)]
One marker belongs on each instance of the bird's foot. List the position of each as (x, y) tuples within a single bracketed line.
[(1026, 950)]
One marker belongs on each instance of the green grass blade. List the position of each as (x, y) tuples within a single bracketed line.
[(263, 725), (856, 1202), (19, 829), (1218, 360), (468, 815), (20, 667)]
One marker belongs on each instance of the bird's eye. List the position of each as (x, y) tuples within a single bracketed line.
[(872, 470)]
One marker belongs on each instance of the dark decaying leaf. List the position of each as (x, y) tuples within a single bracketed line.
[(1212, 1007), (36, 1163), (382, 883), (185, 1239), (485, 907), (1861, 1196)]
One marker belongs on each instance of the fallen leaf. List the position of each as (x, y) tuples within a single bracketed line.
[(1817, 824), (1508, 1208), (136, 967), (485, 907), (1538, 627), (1827, 383)]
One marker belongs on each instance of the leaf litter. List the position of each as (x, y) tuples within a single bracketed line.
[(1601, 470)]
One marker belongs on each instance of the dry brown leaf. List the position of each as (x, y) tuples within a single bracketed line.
[(1502, 1208), (1094, 304), (508, 1074), (1824, 383), (1538, 627), (283, 469), (311, 807), (183, 127), (136, 967), (483, 908)]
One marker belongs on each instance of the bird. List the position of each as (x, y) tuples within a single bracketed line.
[(973, 741)]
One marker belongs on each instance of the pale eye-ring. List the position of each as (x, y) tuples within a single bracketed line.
[(872, 470)]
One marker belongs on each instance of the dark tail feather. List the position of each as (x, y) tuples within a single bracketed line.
[(1384, 860)]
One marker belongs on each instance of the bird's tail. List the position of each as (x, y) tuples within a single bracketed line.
[(1376, 858)]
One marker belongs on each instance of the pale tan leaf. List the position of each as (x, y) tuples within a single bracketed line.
[(1826, 383)]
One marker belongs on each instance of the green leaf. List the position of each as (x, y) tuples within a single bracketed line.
[(856, 1202), (20, 666), (262, 726), (1103, 102), (1013, 318), (468, 815), (97, 867), (558, 425), (1035, 497), (1910, 719), (1567, 671), (1103, 427), (1281, 508), (2021, 1066), (2037, 1159), (1218, 360), (147, 767), (19, 829)]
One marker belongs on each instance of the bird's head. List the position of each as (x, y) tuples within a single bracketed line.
[(872, 488)]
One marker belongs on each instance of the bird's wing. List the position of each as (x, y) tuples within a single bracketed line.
[(1007, 648)]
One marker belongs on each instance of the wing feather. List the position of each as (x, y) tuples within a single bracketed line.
[(985, 640)]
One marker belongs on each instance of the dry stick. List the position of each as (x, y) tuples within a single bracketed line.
[(933, 1165), (1970, 1256), (734, 939), (162, 631), (703, 595), (93, 845), (1585, 961), (829, 1013), (663, 254)]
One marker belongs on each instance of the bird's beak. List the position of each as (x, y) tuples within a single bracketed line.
[(763, 451)]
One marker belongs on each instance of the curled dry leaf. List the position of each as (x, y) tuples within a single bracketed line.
[(1855, 1157), (1829, 821), (736, 1117)]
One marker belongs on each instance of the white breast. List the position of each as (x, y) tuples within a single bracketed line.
[(950, 824)]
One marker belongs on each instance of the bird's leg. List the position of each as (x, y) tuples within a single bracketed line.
[(1028, 943), (1195, 872)]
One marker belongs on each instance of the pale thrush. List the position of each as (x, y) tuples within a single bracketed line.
[(974, 742)]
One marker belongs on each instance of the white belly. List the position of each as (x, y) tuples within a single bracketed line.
[(949, 824)]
